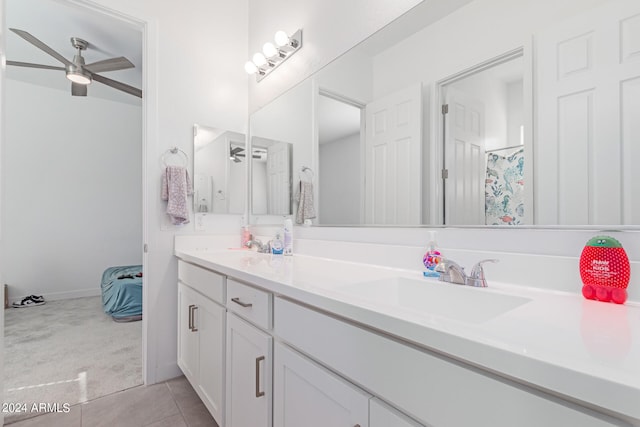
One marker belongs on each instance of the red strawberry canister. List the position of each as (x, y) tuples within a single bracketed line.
[(604, 270)]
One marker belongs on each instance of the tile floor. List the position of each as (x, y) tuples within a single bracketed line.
[(173, 403)]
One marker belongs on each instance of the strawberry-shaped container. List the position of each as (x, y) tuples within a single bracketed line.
[(604, 270)]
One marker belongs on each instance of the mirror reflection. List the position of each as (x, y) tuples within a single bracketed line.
[(340, 142), (219, 181), (529, 124), (484, 146), (271, 176)]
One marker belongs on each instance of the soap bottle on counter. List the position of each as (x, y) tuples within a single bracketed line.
[(288, 236), (277, 247), (432, 257), (245, 236)]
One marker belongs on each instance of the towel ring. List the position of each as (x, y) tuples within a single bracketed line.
[(308, 173), (175, 151)]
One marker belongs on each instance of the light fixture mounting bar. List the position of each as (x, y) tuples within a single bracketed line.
[(284, 53)]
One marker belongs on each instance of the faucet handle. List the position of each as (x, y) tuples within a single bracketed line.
[(451, 271), (476, 278)]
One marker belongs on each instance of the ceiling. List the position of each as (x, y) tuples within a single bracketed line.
[(54, 22)]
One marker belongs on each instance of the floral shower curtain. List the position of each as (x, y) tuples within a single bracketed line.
[(504, 189)]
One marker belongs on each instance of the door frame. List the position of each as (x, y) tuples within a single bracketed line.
[(437, 148), (149, 125)]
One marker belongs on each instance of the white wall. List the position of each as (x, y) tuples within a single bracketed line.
[(515, 118), (481, 30), (73, 194), (193, 74), (350, 76), (340, 179)]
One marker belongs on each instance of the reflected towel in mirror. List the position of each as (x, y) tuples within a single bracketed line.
[(304, 197), (176, 188)]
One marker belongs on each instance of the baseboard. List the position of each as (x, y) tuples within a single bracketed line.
[(53, 296)]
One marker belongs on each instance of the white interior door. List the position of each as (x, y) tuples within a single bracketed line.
[(588, 70), (464, 159), (279, 179), (393, 152)]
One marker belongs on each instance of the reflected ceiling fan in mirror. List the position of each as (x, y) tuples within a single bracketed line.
[(79, 73)]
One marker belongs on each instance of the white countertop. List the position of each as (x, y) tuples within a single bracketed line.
[(584, 350)]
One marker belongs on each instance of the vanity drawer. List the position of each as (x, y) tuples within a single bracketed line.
[(253, 304), (429, 387), (206, 282)]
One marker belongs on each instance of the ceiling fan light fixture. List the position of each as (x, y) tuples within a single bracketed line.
[(79, 76)]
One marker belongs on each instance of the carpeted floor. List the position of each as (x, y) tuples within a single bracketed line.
[(68, 352)]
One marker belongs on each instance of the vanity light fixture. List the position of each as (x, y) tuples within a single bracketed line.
[(272, 56)]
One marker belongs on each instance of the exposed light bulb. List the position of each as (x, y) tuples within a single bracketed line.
[(269, 50), (281, 38), (250, 67), (259, 59)]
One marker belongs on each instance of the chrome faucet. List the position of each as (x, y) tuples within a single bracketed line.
[(257, 243), (452, 272)]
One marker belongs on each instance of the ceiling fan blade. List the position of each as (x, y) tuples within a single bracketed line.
[(113, 64), (30, 65), (118, 85), (78, 89), (40, 45)]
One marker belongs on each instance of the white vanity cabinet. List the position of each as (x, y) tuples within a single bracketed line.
[(201, 334), (249, 356), (305, 394), (430, 387), (382, 415)]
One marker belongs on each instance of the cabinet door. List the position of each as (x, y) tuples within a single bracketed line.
[(306, 394), (209, 320), (381, 415), (187, 334), (248, 374)]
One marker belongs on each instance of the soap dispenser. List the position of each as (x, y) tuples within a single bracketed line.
[(245, 236), (277, 246), (432, 257)]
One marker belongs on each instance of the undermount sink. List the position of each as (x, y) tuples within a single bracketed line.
[(451, 301)]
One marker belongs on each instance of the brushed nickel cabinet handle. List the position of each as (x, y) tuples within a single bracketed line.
[(258, 392), (240, 303), (191, 317), (195, 307)]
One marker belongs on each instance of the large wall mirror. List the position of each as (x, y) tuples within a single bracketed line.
[(437, 120), (219, 169)]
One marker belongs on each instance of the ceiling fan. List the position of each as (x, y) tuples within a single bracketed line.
[(79, 73)]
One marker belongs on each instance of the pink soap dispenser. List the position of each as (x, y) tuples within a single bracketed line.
[(245, 236)]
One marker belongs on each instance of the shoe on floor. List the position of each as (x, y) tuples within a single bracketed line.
[(27, 302), (37, 298)]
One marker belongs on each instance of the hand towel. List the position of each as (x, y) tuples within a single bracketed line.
[(176, 188), (304, 197)]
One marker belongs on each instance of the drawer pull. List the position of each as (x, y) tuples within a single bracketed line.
[(242, 304), (191, 317), (194, 329), (258, 392)]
